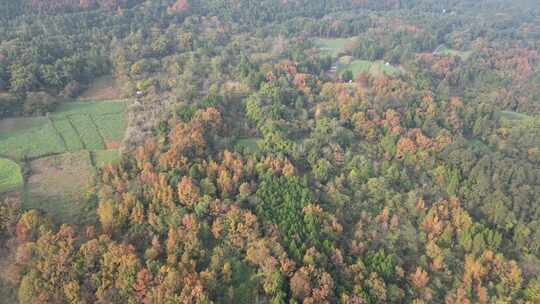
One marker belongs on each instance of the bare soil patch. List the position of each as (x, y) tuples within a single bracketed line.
[(103, 88), (111, 145)]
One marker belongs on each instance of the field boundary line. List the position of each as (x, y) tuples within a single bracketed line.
[(98, 131), (46, 155), (68, 117), (91, 157), (58, 133), (98, 100), (111, 113)]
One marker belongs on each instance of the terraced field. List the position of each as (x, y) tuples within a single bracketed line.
[(87, 131), (39, 140), (74, 126), (71, 138), (108, 126)]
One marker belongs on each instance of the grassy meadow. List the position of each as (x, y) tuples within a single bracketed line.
[(334, 46), (104, 157), (58, 184), (10, 175)]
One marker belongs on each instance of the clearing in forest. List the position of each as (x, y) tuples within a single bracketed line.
[(511, 118), (511, 115), (373, 68), (248, 144), (338, 46), (335, 46), (451, 52)]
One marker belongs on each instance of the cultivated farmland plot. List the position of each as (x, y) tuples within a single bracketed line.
[(87, 131), (62, 151), (32, 142), (108, 126), (90, 108), (73, 126), (68, 133)]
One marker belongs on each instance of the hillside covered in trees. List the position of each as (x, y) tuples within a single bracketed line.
[(281, 151)]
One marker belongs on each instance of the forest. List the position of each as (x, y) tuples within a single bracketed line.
[(272, 151)]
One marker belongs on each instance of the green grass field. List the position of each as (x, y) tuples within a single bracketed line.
[(334, 46), (249, 144), (104, 157), (337, 46), (373, 68), (90, 107), (88, 131), (510, 115), (108, 126), (356, 66), (10, 175), (32, 142), (510, 118), (463, 54), (21, 123), (72, 127), (71, 138)]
